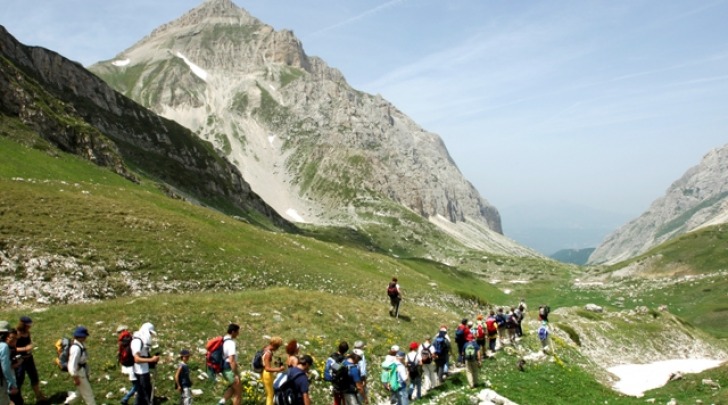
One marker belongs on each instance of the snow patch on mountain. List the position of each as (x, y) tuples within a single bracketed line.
[(121, 62), (198, 71)]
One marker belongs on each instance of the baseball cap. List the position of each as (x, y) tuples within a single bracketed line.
[(359, 344), (80, 332), (394, 348), (359, 352), (26, 320), (150, 327), (414, 345), (400, 354), (184, 352)]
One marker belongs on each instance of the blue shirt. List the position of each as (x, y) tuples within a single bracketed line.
[(300, 384), (354, 371), (6, 365)]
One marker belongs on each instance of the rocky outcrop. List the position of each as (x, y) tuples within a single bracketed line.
[(314, 148), (698, 199), (79, 113)]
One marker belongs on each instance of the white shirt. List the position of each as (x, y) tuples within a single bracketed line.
[(76, 358), (229, 348), (402, 371), (139, 349)]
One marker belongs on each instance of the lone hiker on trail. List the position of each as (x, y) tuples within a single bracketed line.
[(395, 297)]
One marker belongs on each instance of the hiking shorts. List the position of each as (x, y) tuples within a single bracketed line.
[(229, 376)]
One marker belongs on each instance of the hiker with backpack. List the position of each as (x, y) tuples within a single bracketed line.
[(78, 368), (492, 329), (429, 368), (500, 321), (141, 346), (441, 344), (334, 364), (292, 386), (460, 333), (413, 361), (518, 314), (182, 380), (389, 369), (15, 363), (511, 322), (480, 332), (473, 360), (25, 349), (544, 336), (394, 292), (269, 368), (228, 366), (400, 394), (126, 360), (359, 350), (8, 384), (351, 384)]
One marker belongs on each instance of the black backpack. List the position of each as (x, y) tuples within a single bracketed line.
[(413, 367), (340, 379)]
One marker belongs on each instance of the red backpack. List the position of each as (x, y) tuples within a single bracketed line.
[(490, 324), (125, 357), (392, 289), (481, 332), (214, 356)]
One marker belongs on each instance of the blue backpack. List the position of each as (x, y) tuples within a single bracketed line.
[(439, 344), (543, 332)]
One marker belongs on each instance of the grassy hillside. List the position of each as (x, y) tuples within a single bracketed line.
[(318, 321), (69, 207), (688, 274)]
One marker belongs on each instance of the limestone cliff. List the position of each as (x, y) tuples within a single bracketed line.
[(699, 198)]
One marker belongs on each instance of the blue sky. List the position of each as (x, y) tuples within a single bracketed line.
[(601, 104)]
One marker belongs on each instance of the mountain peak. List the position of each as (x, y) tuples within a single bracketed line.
[(210, 12), (218, 4)]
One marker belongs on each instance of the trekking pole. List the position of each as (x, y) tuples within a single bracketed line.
[(154, 386)]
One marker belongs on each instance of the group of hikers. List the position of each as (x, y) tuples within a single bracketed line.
[(406, 375)]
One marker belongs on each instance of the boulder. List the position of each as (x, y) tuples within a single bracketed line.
[(593, 308)]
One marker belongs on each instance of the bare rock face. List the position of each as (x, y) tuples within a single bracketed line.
[(698, 199), (317, 150)]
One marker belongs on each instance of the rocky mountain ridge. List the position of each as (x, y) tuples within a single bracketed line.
[(317, 150), (698, 199), (79, 113)]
